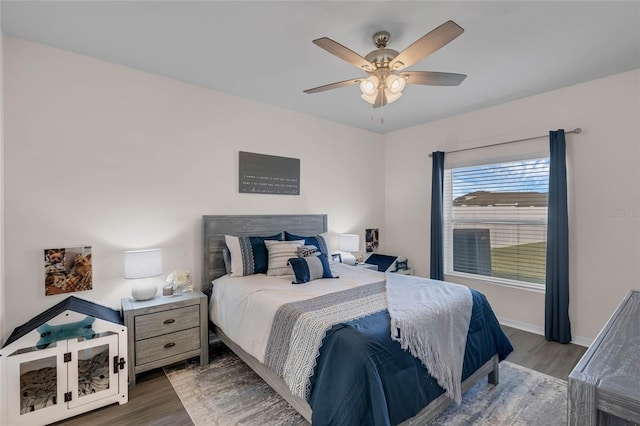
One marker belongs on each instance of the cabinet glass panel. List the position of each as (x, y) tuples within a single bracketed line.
[(38, 384), (93, 370), (92, 376)]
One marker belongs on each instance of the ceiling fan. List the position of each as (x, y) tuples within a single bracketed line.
[(385, 82)]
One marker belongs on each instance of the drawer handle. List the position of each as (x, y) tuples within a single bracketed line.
[(169, 345), (169, 321)]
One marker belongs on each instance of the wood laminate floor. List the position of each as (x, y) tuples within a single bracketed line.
[(154, 402)]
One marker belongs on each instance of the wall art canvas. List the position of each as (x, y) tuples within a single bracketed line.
[(67, 270), (268, 174), (371, 239)]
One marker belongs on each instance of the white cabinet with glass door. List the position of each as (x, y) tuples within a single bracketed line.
[(48, 378)]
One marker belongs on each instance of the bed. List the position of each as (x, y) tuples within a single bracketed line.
[(401, 391)]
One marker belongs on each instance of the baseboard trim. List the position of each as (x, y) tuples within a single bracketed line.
[(535, 329), (582, 341)]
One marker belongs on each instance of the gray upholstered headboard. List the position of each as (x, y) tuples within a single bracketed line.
[(214, 228)]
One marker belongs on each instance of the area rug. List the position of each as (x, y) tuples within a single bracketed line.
[(227, 392)]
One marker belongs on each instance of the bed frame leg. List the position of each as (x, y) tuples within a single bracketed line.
[(494, 376)]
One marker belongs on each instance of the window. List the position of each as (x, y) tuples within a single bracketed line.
[(496, 221)]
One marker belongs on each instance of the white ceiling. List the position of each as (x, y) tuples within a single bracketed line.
[(262, 50)]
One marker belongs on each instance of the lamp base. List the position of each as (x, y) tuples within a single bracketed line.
[(348, 258), (144, 290)]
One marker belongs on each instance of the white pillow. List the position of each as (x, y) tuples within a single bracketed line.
[(279, 254)]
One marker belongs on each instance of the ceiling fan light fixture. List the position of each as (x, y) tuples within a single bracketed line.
[(370, 98), (395, 84), (369, 86)]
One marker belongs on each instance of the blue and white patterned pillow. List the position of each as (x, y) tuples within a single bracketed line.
[(310, 268), (321, 241), (248, 254)]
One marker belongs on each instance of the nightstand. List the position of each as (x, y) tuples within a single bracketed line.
[(165, 330)]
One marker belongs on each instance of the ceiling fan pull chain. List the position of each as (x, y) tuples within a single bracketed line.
[(382, 115), (371, 112)]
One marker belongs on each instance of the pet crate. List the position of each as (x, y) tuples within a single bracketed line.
[(68, 360)]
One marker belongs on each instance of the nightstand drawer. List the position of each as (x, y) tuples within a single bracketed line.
[(167, 345), (151, 325)]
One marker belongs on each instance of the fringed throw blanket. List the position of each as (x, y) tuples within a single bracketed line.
[(431, 319), (299, 327)]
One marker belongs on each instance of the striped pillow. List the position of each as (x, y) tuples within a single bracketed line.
[(310, 268), (279, 254)]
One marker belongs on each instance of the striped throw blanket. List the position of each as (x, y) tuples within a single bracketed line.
[(299, 327)]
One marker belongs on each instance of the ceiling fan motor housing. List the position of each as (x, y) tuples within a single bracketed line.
[(381, 57)]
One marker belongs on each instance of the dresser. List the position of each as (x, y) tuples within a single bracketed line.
[(165, 330), (604, 387)]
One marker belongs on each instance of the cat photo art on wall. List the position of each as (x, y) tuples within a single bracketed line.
[(67, 270)]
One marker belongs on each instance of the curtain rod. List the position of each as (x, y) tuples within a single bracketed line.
[(577, 130)]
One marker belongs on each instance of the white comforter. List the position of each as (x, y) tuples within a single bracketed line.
[(244, 307)]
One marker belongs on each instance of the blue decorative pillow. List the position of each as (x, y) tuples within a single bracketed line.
[(321, 241), (310, 268), (248, 254)]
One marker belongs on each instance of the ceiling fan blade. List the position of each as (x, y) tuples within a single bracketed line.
[(344, 53), (426, 45), (333, 85), (430, 78)]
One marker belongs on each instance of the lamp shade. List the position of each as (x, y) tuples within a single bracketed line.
[(349, 242), (369, 86), (143, 264), (369, 89), (395, 84)]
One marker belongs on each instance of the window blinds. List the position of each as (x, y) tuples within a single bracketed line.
[(496, 220)]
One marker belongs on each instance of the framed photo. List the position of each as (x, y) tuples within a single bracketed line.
[(67, 270), (336, 258), (371, 240), (402, 265)]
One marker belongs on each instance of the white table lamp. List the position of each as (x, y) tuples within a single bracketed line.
[(140, 264), (349, 243)]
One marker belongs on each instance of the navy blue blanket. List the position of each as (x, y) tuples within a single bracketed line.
[(362, 377)]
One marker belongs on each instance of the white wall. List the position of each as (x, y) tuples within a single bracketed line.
[(102, 155), (603, 175)]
